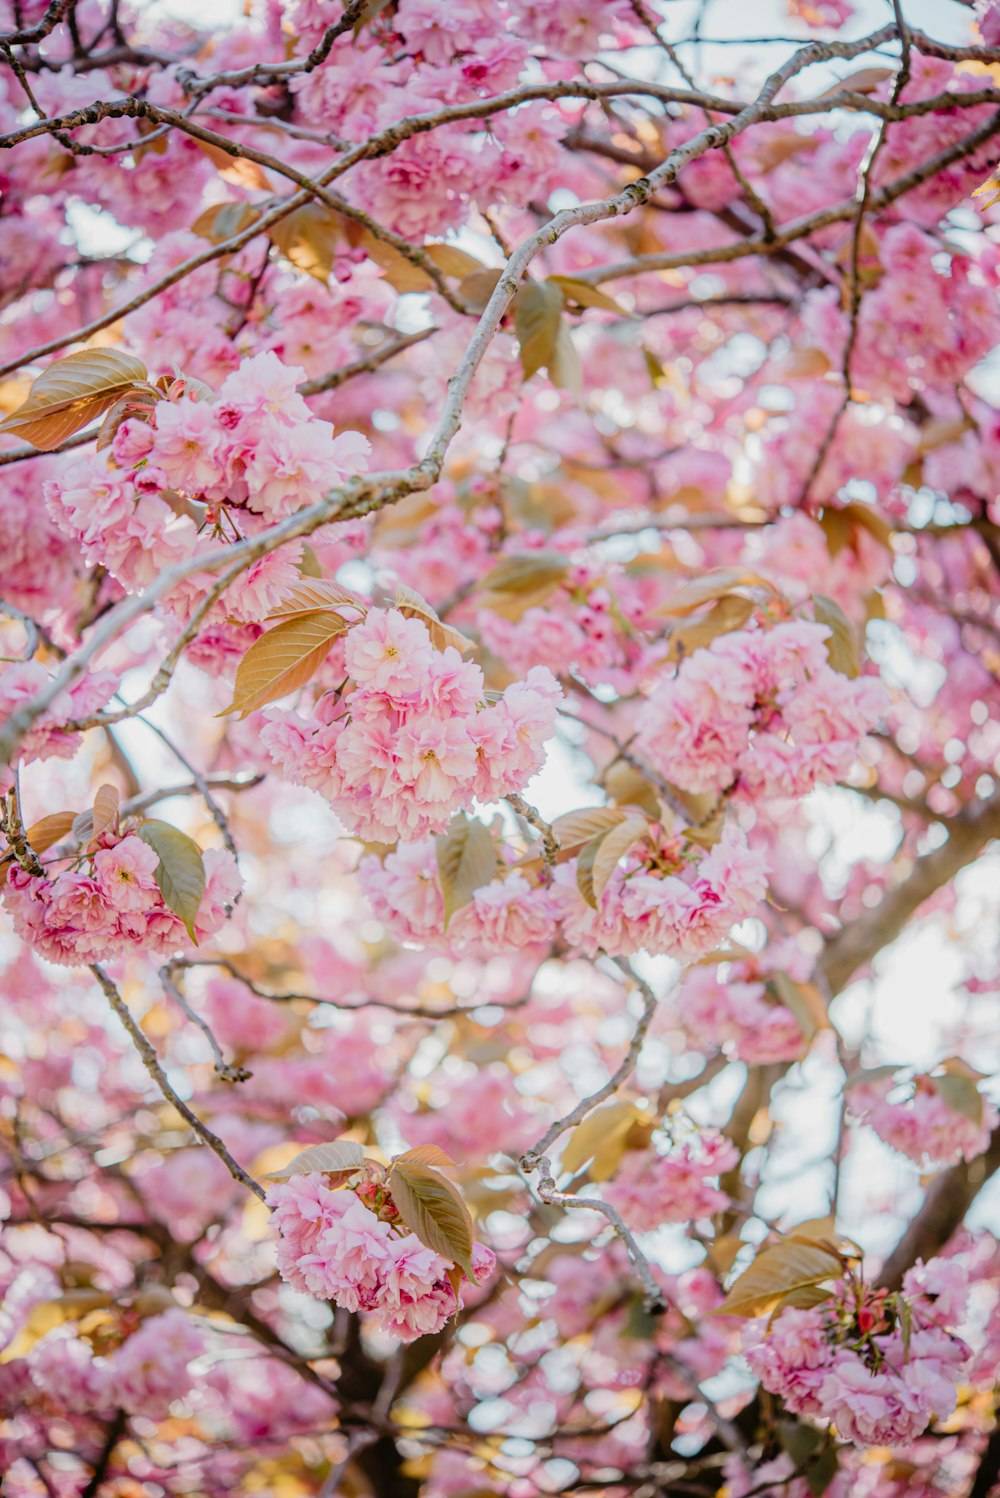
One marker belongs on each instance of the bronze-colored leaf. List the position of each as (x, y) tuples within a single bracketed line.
[(842, 646), (476, 290), (522, 581), (50, 830), (223, 220), (105, 809), (961, 1095), (71, 392), (537, 316), (401, 274), (584, 295), (691, 595), (309, 238), (317, 596), (575, 828), (180, 873), (410, 603), (565, 369), (602, 1133), (425, 1154), (730, 612), (803, 999), (466, 860), (434, 1209), (235, 168), (613, 846), (283, 660), (452, 261), (780, 1269), (342, 1157)]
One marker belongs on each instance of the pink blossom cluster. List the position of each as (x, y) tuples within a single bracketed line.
[(675, 899), (415, 740), (877, 1367), (651, 1189), (760, 713), (919, 326), (582, 627), (201, 470), (922, 1124), (48, 738), (143, 1376), (107, 903), (738, 1015), (332, 1246), (404, 891)]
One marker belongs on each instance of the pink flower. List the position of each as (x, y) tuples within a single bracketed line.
[(125, 872), (388, 653)]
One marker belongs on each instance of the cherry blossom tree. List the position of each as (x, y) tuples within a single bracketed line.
[(500, 604)]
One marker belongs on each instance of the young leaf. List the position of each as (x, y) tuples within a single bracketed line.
[(779, 1270), (409, 603), (105, 810), (842, 646), (565, 369), (961, 1095), (71, 392), (180, 873), (401, 274), (575, 828), (88, 826), (235, 169), (466, 859), (50, 830), (613, 846), (317, 596), (476, 290), (341, 1157), (716, 584), (453, 261), (803, 999), (584, 295), (537, 317), (730, 612), (424, 1154), (308, 238), (223, 220), (603, 1131), (522, 581), (283, 660), (433, 1208)]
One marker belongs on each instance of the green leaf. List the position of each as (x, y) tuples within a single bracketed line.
[(180, 873), (842, 646), (466, 859), (537, 318), (433, 1208)]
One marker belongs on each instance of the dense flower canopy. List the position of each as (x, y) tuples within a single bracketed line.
[(499, 602)]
